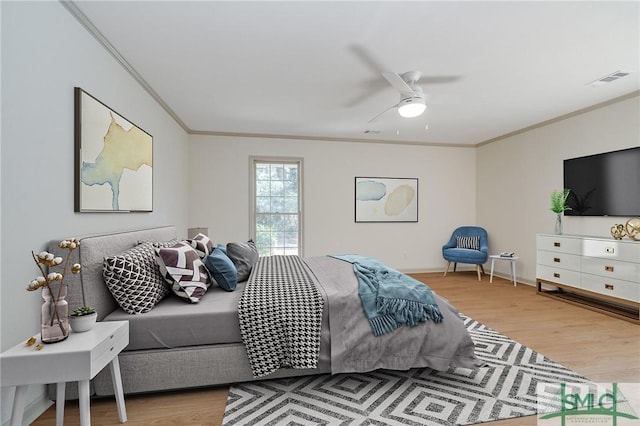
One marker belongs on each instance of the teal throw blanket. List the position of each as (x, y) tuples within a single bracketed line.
[(390, 298)]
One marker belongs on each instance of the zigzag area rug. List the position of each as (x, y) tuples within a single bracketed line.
[(504, 388)]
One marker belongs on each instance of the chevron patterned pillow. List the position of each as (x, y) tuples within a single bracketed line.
[(183, 269), (134, 279)]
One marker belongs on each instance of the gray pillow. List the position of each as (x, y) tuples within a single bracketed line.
[(243, 256)]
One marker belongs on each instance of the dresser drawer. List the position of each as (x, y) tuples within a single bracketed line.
[(625, 251), (558, 275), (609, 268), (611, 287), (559, 260), (558, 243)]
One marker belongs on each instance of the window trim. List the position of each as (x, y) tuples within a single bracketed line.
[(299, 161)]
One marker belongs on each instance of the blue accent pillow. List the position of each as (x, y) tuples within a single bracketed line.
[(222, 269)]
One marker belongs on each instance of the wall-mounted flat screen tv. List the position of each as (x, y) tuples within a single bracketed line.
[(605, 184)]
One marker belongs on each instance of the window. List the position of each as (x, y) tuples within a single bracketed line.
[(276, 200)]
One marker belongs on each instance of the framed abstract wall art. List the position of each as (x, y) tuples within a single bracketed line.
[(381, 199), (113, 160)]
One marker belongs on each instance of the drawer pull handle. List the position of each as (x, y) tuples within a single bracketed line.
[(610, 250), (555, 244), (556, 275), (608, 268), (556, 259), (608, 286)]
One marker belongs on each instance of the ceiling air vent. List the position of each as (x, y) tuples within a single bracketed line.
[(608, 78)]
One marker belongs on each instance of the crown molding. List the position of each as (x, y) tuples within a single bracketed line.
[(73, 9), (562, 117), (325, 138)]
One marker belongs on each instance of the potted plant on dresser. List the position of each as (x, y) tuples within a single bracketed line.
[(83, 318), (559, 206)]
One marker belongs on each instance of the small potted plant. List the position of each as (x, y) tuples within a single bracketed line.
[(559, 206), (83, 318)]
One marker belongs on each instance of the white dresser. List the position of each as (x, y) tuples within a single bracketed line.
[(599, 273)]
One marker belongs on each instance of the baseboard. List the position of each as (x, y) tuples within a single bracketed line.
[(461, 268), (33, 410), (467, 269)]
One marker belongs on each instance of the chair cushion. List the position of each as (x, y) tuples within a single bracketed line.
[(462, 255)]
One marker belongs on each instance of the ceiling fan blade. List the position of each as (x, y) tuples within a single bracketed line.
[(368, 89), (388, 109), (366, 57), (397, 82), (356, 100), (439, 79)]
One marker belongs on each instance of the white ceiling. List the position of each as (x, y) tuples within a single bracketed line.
[(308, 68)]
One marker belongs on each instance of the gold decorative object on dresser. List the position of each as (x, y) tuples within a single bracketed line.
[(632, 228), (617, 231), (599, 273)]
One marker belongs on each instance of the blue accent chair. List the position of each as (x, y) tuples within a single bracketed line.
[(452, 253)]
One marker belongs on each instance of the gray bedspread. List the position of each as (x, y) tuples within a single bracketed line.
[(354, 348)]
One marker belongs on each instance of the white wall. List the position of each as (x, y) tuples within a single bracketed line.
[(516, 176), (45, 53), (446, 190)]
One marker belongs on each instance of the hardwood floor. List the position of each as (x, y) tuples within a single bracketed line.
[(600, 347)]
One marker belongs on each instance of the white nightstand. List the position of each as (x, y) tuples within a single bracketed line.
[(79, 358), (513, 266)]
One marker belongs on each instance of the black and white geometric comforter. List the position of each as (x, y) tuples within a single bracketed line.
[(280, 314)]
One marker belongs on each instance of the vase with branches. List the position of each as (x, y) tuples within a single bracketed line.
[(559, 206), (55, 309)]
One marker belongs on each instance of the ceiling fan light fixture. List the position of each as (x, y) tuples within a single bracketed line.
[(411, 107)]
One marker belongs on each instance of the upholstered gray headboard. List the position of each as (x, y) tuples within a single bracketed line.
[(88, 288)]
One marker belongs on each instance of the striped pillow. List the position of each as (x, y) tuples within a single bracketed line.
[(472, 243)]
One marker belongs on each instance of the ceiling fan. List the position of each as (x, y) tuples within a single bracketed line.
[(412, 102)]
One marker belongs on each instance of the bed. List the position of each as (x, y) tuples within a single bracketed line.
[(179, 345)]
